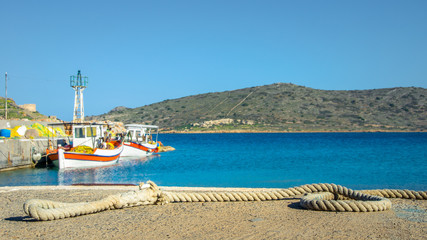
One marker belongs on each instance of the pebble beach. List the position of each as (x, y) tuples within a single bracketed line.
[(280, 219)]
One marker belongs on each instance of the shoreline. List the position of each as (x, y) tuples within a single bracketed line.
[(277, 219), (15, 122), (268, 131)]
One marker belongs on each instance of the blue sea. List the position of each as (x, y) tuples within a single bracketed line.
[(271, 160)]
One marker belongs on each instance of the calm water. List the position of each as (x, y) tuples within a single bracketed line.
[(355, 160)]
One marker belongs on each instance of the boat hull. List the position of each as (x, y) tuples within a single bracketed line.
[(132, 149), (100, 157)]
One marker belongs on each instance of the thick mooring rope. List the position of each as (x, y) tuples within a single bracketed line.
[(325, 197)]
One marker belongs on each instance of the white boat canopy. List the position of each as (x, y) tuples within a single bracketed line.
[(139, 126)]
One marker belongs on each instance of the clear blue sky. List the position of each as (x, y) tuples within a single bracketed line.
[(140, 52)]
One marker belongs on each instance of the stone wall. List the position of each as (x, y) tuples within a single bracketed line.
[(14, 123)]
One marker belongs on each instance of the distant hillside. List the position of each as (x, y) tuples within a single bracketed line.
[(16, 112), (285, 107)]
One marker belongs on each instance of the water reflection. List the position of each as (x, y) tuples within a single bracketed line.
[(117, 173)]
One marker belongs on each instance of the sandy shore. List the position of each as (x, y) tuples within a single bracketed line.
[(282, 219)]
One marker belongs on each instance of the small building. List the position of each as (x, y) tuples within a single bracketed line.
[(30, 107)]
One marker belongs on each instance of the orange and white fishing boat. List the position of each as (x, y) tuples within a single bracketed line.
[(88, 145), (139, 141)]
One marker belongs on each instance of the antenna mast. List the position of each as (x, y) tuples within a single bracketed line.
[(5, 101), (78, 83)]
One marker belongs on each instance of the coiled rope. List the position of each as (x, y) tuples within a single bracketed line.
[(325, 197)]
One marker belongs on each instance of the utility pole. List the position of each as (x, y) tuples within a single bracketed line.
[(5, 102)]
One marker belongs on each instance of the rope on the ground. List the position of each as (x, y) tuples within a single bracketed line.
[(326, 197), (50, 210)]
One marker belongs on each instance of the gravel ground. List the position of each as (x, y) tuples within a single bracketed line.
[(282, 219)]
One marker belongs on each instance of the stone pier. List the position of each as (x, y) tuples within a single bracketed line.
[(20, 153)]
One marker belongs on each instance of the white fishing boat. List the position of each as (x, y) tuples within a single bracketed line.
[(139, 142), (88, 145)]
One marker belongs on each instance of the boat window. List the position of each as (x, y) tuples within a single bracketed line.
[(91, 131), (138, 134), (79, 133)]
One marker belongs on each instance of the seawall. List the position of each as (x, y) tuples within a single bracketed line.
[(20, 153)]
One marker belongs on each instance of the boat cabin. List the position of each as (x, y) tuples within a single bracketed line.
[(141, 133), (87, 135), (81, 134)]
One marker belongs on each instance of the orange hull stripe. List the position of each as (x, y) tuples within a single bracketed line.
[(53, 157), (85, 157), (134, 145)]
